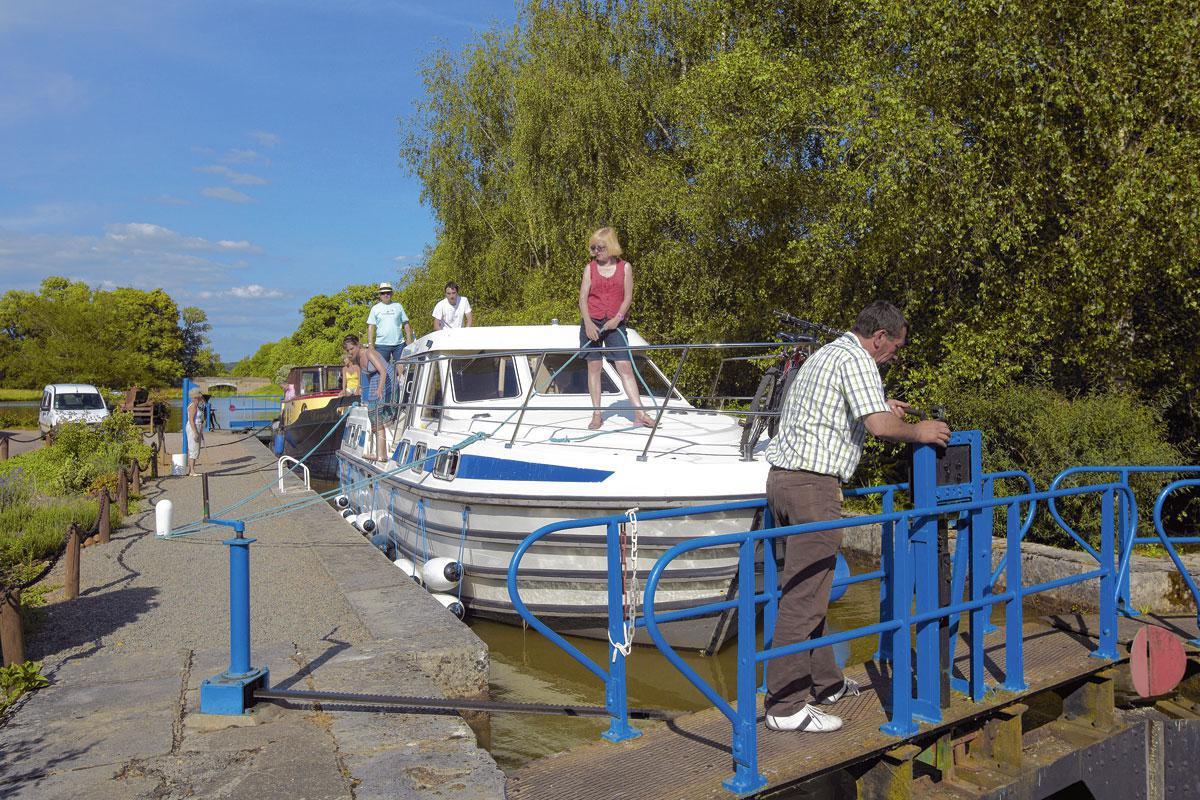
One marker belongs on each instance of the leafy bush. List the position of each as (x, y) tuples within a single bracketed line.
[(18, 418), (1043, 432), (78, 455), (17, 679)]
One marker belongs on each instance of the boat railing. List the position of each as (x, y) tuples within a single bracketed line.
[(1127, 518), (398, 406), (900, 562)]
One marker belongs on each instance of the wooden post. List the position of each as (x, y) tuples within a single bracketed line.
[(104, 524), (71, 579), (137, 477), (123, 491), (154, 460), (3, 447), (12, 640)]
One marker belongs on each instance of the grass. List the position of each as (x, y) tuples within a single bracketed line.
[(20, 394)]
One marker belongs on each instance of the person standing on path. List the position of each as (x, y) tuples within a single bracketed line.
[(835, 399), (372, 369), (195, 415), (388, 331), (453, 310), (605, 294)]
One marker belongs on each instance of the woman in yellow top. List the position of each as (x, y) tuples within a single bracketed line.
[(349, 375)]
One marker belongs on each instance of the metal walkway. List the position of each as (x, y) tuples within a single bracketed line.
[(689, 757)]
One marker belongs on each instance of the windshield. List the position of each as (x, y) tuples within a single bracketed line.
[(572, 380), (650, 380), (78, 401)]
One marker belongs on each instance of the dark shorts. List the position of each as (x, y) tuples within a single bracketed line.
[(608, 340)]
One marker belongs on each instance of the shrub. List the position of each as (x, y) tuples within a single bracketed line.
[(1043, 433), (33, 531), (79, 455)]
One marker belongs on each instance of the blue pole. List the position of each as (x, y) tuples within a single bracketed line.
[(1126, 544), (239, 602), (614, 687), (1108, 581), (887, 589), (746, 777), (1014, 615), (187, 388), (771, 587), (898, 644)]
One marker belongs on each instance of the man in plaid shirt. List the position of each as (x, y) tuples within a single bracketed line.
[(835, 400)]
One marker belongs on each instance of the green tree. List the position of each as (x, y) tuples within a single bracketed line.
[(1020, 178), (195, 350)]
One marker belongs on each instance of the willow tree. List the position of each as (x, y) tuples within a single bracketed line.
[(1023, 178)]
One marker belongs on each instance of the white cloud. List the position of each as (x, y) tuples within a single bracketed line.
[(25, 94), (265, 139), (254, 291), (233, 176), (226, 194), (236, 156), (147, 235)]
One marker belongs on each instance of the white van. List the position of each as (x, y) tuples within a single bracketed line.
[(70, 402)]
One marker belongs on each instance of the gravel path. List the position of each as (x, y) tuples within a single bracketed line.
[(140, 594)]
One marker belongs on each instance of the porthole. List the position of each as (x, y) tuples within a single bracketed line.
[(418, 458), (446, 464)]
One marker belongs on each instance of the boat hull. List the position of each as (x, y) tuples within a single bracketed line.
[(313, 428), (563, 579)]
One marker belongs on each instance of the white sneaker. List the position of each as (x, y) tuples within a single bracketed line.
[(809, 718), (849, 687)]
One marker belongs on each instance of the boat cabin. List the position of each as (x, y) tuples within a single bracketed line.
[(313, 380)]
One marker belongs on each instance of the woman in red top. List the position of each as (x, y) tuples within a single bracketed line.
[(604, 298)]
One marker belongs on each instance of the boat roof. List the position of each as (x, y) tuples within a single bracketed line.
[(504, 338)]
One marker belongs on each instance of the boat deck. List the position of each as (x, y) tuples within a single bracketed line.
[(689, 757)]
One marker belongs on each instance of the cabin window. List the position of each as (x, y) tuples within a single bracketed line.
[(484, 378), (572, 380), (652, 382), (445, 466), (432, 405)]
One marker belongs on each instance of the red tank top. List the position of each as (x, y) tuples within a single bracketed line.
[(605, 295)]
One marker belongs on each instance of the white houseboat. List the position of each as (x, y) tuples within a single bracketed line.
[(539, 463)]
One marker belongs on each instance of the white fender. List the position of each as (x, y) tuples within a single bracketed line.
[(347, 513), (441, 574), (452, 603), (408, 568), (341, 501), (162, 517), (364, 523), (383, 542)]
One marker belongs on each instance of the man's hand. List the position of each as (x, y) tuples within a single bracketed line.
[(933, 431), (898, 407)]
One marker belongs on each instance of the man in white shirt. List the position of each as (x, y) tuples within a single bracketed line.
[(453, 311)]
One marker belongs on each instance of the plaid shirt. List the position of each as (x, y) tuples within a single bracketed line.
[(821, 425)]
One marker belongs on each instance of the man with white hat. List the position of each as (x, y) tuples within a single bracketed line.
[(388, 329)]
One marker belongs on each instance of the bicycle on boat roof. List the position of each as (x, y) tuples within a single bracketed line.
[(775, 382)]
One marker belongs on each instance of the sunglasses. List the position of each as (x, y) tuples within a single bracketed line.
[(595, 247), (383, 293)]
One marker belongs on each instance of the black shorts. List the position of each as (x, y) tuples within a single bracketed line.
[(607, 341)]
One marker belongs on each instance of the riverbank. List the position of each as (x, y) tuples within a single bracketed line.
[(329, 612)]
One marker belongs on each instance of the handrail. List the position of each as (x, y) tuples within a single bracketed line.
[(1127, 518), (746, 777), (1168, 543)]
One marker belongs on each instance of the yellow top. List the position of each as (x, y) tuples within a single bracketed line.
[(352, 381)]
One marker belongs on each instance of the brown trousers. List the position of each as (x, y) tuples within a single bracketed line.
[(797, 497)]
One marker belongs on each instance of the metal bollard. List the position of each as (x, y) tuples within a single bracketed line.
[(71, 579)]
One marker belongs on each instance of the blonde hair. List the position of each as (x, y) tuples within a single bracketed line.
[(194, 393), (608, 237)]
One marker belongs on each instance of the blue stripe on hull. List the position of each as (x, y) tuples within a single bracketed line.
[(487, 468)]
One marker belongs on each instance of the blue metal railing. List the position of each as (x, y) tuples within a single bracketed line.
[(896, 626), (896, 572), (1169, 541), (1127, 520)]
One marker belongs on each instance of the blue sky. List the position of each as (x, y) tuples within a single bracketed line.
[(242, 156)]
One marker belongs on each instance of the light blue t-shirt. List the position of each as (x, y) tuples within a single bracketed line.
[(388, 319)]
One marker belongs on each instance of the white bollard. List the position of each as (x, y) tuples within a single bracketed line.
[(441, 574), (452, 603), (162, 517)]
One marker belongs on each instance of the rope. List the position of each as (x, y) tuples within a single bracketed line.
[(12, 438), (629, 586), (424, 532), (564, 439), (462, 543)]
